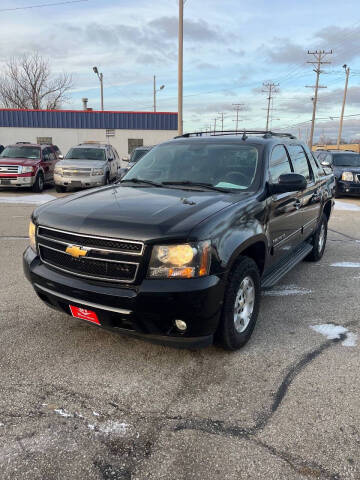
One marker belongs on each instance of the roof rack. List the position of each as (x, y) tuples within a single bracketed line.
[(244, 133)]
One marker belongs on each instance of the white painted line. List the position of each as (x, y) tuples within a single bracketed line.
[(331, 331), (284, 290), (28, 199), (344, 206), (346, 264)]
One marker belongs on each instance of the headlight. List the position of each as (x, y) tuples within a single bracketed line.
[(97, 171), (347, 176), (27, 169), (58, 171), (32, 231), (187, 260)]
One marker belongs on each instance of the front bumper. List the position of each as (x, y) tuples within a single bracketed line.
[(147, 310), (348, 188), (79, 182), (18, 181)]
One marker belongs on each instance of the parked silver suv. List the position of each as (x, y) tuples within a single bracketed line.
[(88, 164)]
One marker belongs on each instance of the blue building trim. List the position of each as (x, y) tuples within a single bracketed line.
[(78, 119)]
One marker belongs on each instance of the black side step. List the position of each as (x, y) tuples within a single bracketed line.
[(274, 276)]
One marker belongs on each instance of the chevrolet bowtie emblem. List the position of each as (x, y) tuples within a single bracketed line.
[(76, 251)]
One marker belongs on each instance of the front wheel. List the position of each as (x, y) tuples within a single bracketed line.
[(38, 186), (241, 305), (319, 240)]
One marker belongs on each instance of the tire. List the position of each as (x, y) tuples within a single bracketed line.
[(319, 240), (107, 179), (60, 189), (236, 329), (38, 186)]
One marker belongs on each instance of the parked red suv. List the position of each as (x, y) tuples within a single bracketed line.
[(28, 165)]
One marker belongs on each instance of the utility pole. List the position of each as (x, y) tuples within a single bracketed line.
[(214, 125), (319, 56), (347, 72), (222, 121), (271, 89), (180, 67), (238, 108)]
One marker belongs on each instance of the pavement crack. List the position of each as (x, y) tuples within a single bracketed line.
[(344, 235)]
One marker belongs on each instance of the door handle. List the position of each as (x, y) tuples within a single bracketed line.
[(297, 204)]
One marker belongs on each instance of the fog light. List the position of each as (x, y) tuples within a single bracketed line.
[(181, 325)]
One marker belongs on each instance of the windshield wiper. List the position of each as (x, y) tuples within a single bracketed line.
[(209, 186), (139, 180)]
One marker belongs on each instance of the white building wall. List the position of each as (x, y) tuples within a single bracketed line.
[(65, 138)]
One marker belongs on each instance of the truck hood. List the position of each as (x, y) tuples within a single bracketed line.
[(80, 163), (25, 162), (134, 213)]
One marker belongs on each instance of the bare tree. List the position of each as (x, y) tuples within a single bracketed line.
[(27, 82)]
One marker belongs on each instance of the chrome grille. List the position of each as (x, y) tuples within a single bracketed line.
[(107, 259), (76, 172), (10, 169)]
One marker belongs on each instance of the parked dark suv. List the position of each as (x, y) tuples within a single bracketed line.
[(346, 168), (28, 165), (178, 250)]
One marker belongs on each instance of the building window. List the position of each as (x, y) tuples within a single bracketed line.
[(134, 143), (44, 140)]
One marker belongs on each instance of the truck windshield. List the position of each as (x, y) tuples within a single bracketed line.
[(86, 154), (21, 152), (225, 165), (137, 154), (346, 160)]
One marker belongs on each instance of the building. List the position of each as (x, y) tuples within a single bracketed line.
[(66, 128)]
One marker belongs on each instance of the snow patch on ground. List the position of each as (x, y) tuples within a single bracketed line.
[(118, 428), (63, 412), (350, 207), (28, 199), (283, 290), (346, 264), (331, 331)]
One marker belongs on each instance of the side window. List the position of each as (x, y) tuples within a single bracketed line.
[(45, 155), (300, 161), (133, 143), (279, 163)]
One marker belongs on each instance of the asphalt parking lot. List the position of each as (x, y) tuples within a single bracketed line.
[(78, 402)]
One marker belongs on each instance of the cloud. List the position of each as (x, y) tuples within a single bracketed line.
[(344, 41), (283, 50)]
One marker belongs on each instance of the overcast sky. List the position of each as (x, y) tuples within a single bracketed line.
[(231, 47)]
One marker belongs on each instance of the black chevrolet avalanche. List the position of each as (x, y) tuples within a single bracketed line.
[(178, 250)]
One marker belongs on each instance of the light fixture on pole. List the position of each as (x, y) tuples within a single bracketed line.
[(101, 77), (155, 91)]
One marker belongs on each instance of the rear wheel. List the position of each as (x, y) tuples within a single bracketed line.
[(38, 186), (60, 189), (107, 179), (241, 305), (319, 241)]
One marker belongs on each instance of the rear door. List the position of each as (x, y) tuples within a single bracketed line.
[(47, 160), (284, 219), (310, 198)]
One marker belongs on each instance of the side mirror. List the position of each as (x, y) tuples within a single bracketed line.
[(289, 182), (61, 157), (110, 159)]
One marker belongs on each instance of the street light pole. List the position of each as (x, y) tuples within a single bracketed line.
[(180, 67), (101, 78), (154, 93), (347, 71)]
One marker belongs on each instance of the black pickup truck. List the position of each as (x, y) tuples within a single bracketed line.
[(177, 251)]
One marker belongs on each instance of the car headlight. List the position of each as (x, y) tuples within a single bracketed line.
[(32, 232), (347, 176), (58, 171), (27, 169), (97, 171), (187, 260)]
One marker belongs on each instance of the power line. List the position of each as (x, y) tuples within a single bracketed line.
[(42, 5)]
